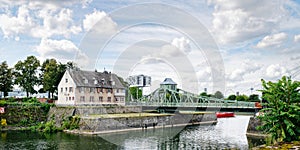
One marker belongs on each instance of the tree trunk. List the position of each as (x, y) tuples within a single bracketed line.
[(27, 94), (48, 94), (5, 94)]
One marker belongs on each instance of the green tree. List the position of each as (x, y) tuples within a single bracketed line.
[(242, 97), (52, 72), (26, 74), (135, 92), (218, 94), (203, 94), (281, 117), (6, 78), (71, 65), (61, 71), (50, 76), (231, 97), (254, 98)]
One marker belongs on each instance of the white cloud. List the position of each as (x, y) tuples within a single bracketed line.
[(56, 23), (17, 38), (21, 23), (297, 38), (40, 4), (85, 3), (102, 21), (275, 71), (237, 21), (242, 70), (63, 50), (38, 22), (182, 43), (204, 74), (272, 40)]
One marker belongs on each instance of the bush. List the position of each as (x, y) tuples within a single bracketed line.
[(281, 117), (48, 127), (72, 123), (3, 123)]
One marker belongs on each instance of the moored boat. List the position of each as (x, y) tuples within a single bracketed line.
[(224, 114)]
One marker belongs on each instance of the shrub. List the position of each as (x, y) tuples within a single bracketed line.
[(3, 123), (281, 117), (71, 123)]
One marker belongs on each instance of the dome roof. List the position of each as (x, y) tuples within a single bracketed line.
[(168, 81)]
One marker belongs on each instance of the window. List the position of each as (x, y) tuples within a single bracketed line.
[(66, 89), (66, 98), (66, 80), (70, 89), (81, 89), (117, 90), (69, 98), (109, 99), (95, 81), (92, 90), (99, 90), (73, 98), (108, 90), (61, 89), (101, 99), (82, 98), (85, 81), (91, 98)]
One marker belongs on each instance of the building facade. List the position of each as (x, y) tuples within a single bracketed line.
[(78, 87)]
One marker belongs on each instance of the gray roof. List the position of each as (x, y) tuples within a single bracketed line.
[(168, 81), (103, 79)]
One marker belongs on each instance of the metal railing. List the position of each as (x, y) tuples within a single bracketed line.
[(171, 98)]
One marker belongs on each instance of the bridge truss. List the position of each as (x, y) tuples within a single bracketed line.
[(163, 97)]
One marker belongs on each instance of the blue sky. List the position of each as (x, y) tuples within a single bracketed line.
[(254, 38)]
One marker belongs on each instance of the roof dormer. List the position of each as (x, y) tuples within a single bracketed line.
[(95, 81), (85, 80)]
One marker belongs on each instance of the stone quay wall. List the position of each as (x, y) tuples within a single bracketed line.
[(90, 123), (132, 123)]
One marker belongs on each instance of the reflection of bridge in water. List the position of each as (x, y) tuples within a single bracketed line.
[(168, 97)]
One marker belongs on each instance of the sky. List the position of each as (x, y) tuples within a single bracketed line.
[(226, 45)]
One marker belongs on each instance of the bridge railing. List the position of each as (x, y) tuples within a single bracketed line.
[(220, 105), (180, 98)]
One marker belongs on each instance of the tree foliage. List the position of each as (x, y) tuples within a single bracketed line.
[(5, 78), (281, 117), (231, 97), (52, 72), (242, 97), (26, 74), (135, 92), (254, 98), (218, 94), (203, 94)]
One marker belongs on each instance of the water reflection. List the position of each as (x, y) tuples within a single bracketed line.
[(228, 133)]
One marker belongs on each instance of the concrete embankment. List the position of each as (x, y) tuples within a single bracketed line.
[(252, 130), (99, 119)]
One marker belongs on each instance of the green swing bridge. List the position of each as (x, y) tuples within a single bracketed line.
[(169, 98)]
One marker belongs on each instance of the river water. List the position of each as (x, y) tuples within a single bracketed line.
[(228, 133)]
